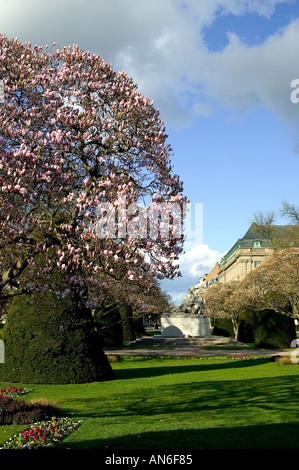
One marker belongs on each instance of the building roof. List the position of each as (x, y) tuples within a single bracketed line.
[(255, 232), (253, 238)]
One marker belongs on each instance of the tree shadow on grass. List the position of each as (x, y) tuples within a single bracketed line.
[(200, 365), (270, 436), (253, 399)]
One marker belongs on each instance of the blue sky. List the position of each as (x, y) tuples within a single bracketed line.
[(220, 73)]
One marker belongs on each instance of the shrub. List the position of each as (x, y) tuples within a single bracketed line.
[(223, 327), (245, 327), (13, 411), (113, 357), (139, 327), (109, 325), (270, 329), (284, 360), (127, 322), (117, 324), (49, 342)]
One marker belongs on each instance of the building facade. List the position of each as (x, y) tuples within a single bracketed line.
[(244, 256)]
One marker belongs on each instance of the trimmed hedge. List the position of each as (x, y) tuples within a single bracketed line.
[(267, 329), (127, 323), (117, 324), (223, 327), (139, 327), (49, 342), (246, 327), (109, 325)]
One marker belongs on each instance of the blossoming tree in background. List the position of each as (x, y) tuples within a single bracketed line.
[(272, 285), (219, 302)]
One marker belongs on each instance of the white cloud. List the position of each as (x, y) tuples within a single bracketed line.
[(198, 261), (243, 77), (193, 263), (202, 109), (160, 44), (177, 297)]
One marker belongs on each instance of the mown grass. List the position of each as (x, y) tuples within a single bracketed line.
[(137, 347), (173, 403)]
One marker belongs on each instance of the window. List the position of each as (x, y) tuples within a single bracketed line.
[(257, 243), (256, 263)]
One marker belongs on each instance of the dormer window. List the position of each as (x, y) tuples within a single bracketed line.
[(257, 244)]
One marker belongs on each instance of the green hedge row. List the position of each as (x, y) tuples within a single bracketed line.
[(266, 329), (117, 325)]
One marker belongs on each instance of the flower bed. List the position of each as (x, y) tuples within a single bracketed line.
[(43, 435), (192, 356), (13, 392)]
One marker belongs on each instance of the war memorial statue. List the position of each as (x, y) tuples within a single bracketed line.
[(187, 320)]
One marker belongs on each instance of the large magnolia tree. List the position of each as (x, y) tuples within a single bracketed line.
[(74, 136)]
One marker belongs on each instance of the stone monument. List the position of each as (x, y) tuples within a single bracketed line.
[(188, 319)]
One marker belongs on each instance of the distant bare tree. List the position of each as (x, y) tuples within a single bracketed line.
[(290, 211), (281, 237)]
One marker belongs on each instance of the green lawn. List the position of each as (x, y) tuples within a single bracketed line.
[(181, 403)]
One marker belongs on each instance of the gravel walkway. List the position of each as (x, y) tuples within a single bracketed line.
[(198, 352), (194, 346)]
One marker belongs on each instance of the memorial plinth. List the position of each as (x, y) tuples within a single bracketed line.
[(174, 326), (186, 320)]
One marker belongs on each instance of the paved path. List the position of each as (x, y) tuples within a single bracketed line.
[(194, 346), (199, 352)]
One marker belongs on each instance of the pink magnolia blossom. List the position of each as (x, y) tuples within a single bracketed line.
[(72, 132)]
